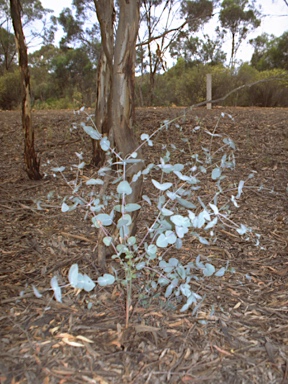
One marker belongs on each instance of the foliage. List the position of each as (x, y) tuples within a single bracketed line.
[(271, 93), (7, 50), (62, 74), (32, 10), (177, 210), (185, 84), (270, 52), (160, 35), (195, 49), (238, 17), (10, 97), (76, 31)]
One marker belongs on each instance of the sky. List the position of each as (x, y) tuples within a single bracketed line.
[(274, 21)]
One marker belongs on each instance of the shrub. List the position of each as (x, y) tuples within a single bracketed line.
[(10, 90), (178, 210)]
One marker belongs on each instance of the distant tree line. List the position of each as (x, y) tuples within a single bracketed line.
[(64, 76), (185, 83)]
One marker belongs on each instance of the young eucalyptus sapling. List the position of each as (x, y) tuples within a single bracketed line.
[(178, 210)]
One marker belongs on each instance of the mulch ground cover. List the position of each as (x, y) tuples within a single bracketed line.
[(239, 333)]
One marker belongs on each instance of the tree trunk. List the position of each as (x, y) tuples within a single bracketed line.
[(122, 105), (105, 14), (232, 50), (32, 164)]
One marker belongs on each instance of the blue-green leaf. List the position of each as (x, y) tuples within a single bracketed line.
[(144, 136), (164, 239), (178, 244), (136, 176), (172, 195), (152, 251), (58, 169), (93, 133), (180, 220), (240, 187), (124, 187), (166, 212), (94, 182), (106, 279), (104, 144), (181, 231), (56, 289), (169, 290), (203, 240), (191, 299), (161, 187), (199, 263), (186, 203), (211, 224), (64, 207), (140, 265), (185, 289), (229, 142), (131, 240), (242, 230), (147, 199), (124, 221), (214, 208), (220, 272), (216, 173), (107, 240), (102, 218), (81, 165), (131, 207), (208, 270), (148, 169), (36, 292), (73, 275)]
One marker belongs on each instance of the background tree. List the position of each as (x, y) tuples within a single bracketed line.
[(195, 49), (31, 162), (77, 31), (159, 35), (41, 64), (238, 17), (270, 52), (152, 12), (7, 51), (32, 10)]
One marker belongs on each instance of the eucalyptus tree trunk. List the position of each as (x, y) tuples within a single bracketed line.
[(106, 15), (123, 90), (121, 109), (32, 164)]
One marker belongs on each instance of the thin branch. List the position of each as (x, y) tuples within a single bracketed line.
[(161, 35)]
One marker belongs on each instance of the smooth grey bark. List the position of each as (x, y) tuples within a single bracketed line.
[(106, 15), (121, 100)]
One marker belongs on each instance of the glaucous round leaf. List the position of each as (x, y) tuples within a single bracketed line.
[(103, 219), (106, 279), (73, 275), (104, 144), (124, 187)]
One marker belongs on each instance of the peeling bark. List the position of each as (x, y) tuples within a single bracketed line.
[(32, 164), (105, 14), (122, 106)]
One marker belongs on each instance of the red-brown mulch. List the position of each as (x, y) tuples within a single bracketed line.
[(240, 332)]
